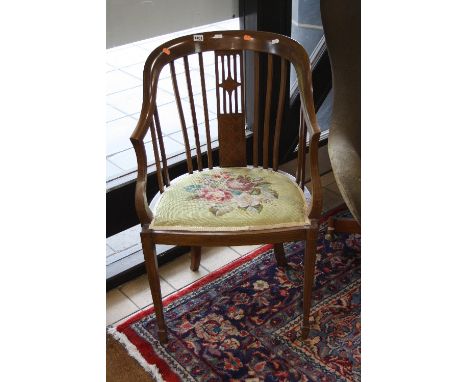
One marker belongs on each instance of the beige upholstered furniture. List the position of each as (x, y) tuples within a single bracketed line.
[(341, 23)]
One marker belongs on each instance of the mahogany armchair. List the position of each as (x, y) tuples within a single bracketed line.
[(237, 203)]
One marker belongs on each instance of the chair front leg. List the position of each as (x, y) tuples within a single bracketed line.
[(309, 273), (195, 255), (151, 264), (279, 255)]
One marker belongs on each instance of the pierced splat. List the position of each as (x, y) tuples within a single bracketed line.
[(229, 84), (230, 107)]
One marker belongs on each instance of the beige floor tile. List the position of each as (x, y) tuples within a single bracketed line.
[(327, 179), (139, 292), (330, 200), (245, 249), (333, 187), (124, 239), (178, 272), (213, 258), (118, 306)]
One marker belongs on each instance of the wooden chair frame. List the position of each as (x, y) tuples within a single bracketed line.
[(228, 43)]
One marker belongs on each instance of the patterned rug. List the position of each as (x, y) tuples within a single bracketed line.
[(243, 322)]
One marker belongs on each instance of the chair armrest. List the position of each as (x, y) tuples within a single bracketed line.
[(144, 213), (304, 76), (315, 181)]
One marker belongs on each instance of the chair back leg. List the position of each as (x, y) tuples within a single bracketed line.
[(279, 254), (195, 254)]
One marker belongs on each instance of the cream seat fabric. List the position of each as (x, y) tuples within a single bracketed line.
[(231, 199)]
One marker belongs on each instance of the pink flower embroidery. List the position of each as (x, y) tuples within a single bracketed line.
[(241, 184), (223, 192), (222, 175), (215, 195)]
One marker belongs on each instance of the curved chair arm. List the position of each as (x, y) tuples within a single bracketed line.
[(304, 77), (141, 203)]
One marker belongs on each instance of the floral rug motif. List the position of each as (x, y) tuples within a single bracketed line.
[(243, 322)]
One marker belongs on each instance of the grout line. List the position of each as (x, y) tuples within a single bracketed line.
[(333, 192), (124, 317), (126, 114), (172, 286), (110, 246), (130, 74), (115, 119), (123, 90), (240, 255), (121, 151), (121, 291), (204, 269), (147, 306), (116, 165)]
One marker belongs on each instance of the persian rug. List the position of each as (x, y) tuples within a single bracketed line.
[(243, 322)]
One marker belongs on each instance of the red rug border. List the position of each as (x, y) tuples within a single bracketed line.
[(145, 349)]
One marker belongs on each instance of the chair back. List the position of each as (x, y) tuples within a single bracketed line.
[(185, 69)]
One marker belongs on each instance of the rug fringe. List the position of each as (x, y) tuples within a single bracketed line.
[(134, 353)]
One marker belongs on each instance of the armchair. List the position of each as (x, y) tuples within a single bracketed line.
[(237, 203)]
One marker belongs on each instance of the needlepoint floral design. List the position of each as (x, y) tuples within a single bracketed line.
[(224, 192), (231, 199)]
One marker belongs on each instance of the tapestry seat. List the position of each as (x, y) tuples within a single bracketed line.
[(230, 199)]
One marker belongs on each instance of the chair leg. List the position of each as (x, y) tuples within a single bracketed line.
[(309, 273), (151, 263), (279, 254), (348, 225), (330, 235), (195, 255)]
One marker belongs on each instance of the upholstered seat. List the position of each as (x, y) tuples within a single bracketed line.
[(231, 199)]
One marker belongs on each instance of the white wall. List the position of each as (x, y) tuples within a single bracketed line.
[(134, 20)]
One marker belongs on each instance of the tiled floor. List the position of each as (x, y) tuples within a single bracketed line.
[(135, 295), (306, 26), (124, 97)]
